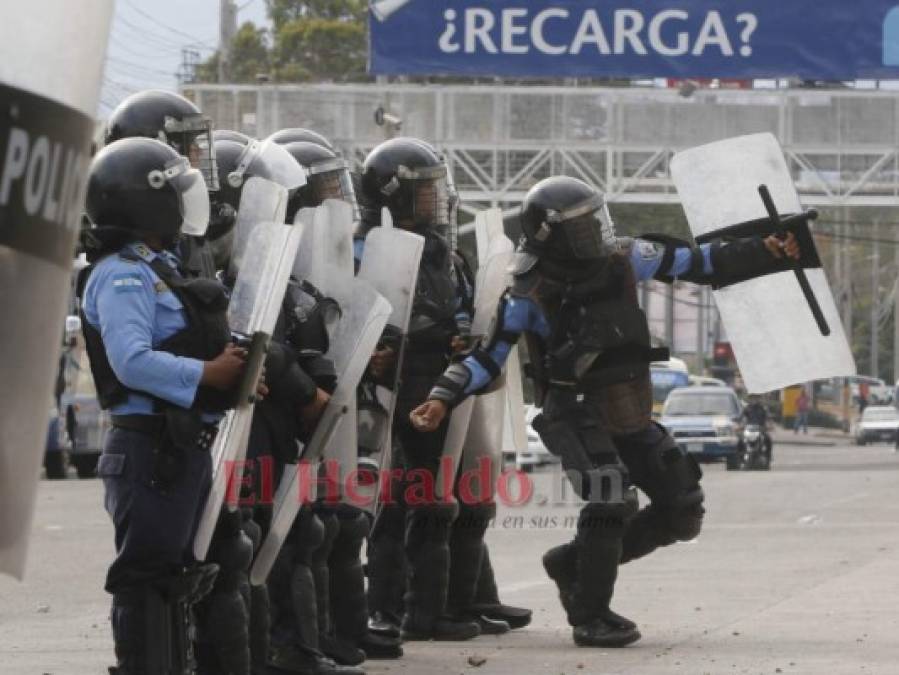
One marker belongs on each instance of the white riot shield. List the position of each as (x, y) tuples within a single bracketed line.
[(390, 264), (261, 201), (364, 313), (252, 313), (784, 327), (49, 97), (491, 281)]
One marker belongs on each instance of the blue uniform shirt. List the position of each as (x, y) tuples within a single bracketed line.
[(523, 315), (134, 311)]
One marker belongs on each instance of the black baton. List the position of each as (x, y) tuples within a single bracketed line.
[(781, 228)]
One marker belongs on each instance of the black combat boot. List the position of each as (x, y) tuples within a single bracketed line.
[(349, 608), (486, 600), (258, 606), (466, 552), (341, 652), (598, 547), (223, 646), (386, 571), (129, 628), (427, 554)]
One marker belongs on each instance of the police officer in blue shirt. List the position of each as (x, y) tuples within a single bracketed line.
[(574, 298), (165, 368)]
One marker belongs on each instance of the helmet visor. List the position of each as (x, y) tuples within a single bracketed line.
[(271, 161), (587, 228), (192, 138), (331, 180), (193, 197), (429, 193)]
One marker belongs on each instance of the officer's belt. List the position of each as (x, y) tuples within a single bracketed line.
[(145, 424), (154, 425)]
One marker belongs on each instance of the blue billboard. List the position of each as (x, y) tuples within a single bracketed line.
[(809, 39)]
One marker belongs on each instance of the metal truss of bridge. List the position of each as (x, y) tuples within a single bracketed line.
[(841, 145)]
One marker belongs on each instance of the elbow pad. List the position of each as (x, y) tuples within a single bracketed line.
[(450, 387), (285, 379), (696, 272)]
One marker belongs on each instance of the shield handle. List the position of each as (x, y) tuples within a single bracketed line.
[(781, 227)]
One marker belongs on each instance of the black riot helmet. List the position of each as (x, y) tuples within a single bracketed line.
[(297, 134), (230, 135), (172, 119), (141, 186), (565, 219), (327, 177), (409, 178)]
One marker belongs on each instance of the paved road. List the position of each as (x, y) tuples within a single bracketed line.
[(797, 571)]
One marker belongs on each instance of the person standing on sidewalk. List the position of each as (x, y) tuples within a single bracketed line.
[(802, 404)]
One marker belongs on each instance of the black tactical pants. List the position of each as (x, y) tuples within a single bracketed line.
[(604, 471)]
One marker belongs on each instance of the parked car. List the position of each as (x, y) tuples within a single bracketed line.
[(878, 423), (84, 423), (666, 376), (537, 454), (703, 381), (705, 421), (55, 455)]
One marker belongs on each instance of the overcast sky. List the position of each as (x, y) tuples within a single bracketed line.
[(145, 47)]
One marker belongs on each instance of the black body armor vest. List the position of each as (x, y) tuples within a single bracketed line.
[(599, 342), (205, 303)]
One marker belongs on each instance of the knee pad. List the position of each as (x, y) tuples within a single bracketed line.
[(685, 518), (233, 556), (675, 473), (608, 518), (354, 524), (306, 535)]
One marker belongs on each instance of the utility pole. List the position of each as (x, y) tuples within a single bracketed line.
[(227, 31), (700, 329), (669, 316), (875, 304), (896, 316), (846, 275)]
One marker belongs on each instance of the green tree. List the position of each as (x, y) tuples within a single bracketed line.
[(318, 40), (249, 57), (282, 12)]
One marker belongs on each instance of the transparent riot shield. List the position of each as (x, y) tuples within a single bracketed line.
[(784, 327), (322, 260), (50, 78), (491, 281), (390, 263), (261, 201), (252, 313), (327, 263)]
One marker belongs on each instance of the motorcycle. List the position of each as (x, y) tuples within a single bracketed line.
[(754, 452)]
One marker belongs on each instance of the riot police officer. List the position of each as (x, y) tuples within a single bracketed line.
[(411, 181), (171, 118), (283, 632), (574, 296), (164, 367), (344, 629)]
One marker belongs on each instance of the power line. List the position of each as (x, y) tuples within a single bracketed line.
[(137, 66), (166, 26)]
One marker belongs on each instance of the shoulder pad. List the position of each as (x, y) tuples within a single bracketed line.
[(142, 251), (647, 250), (522, 263)]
